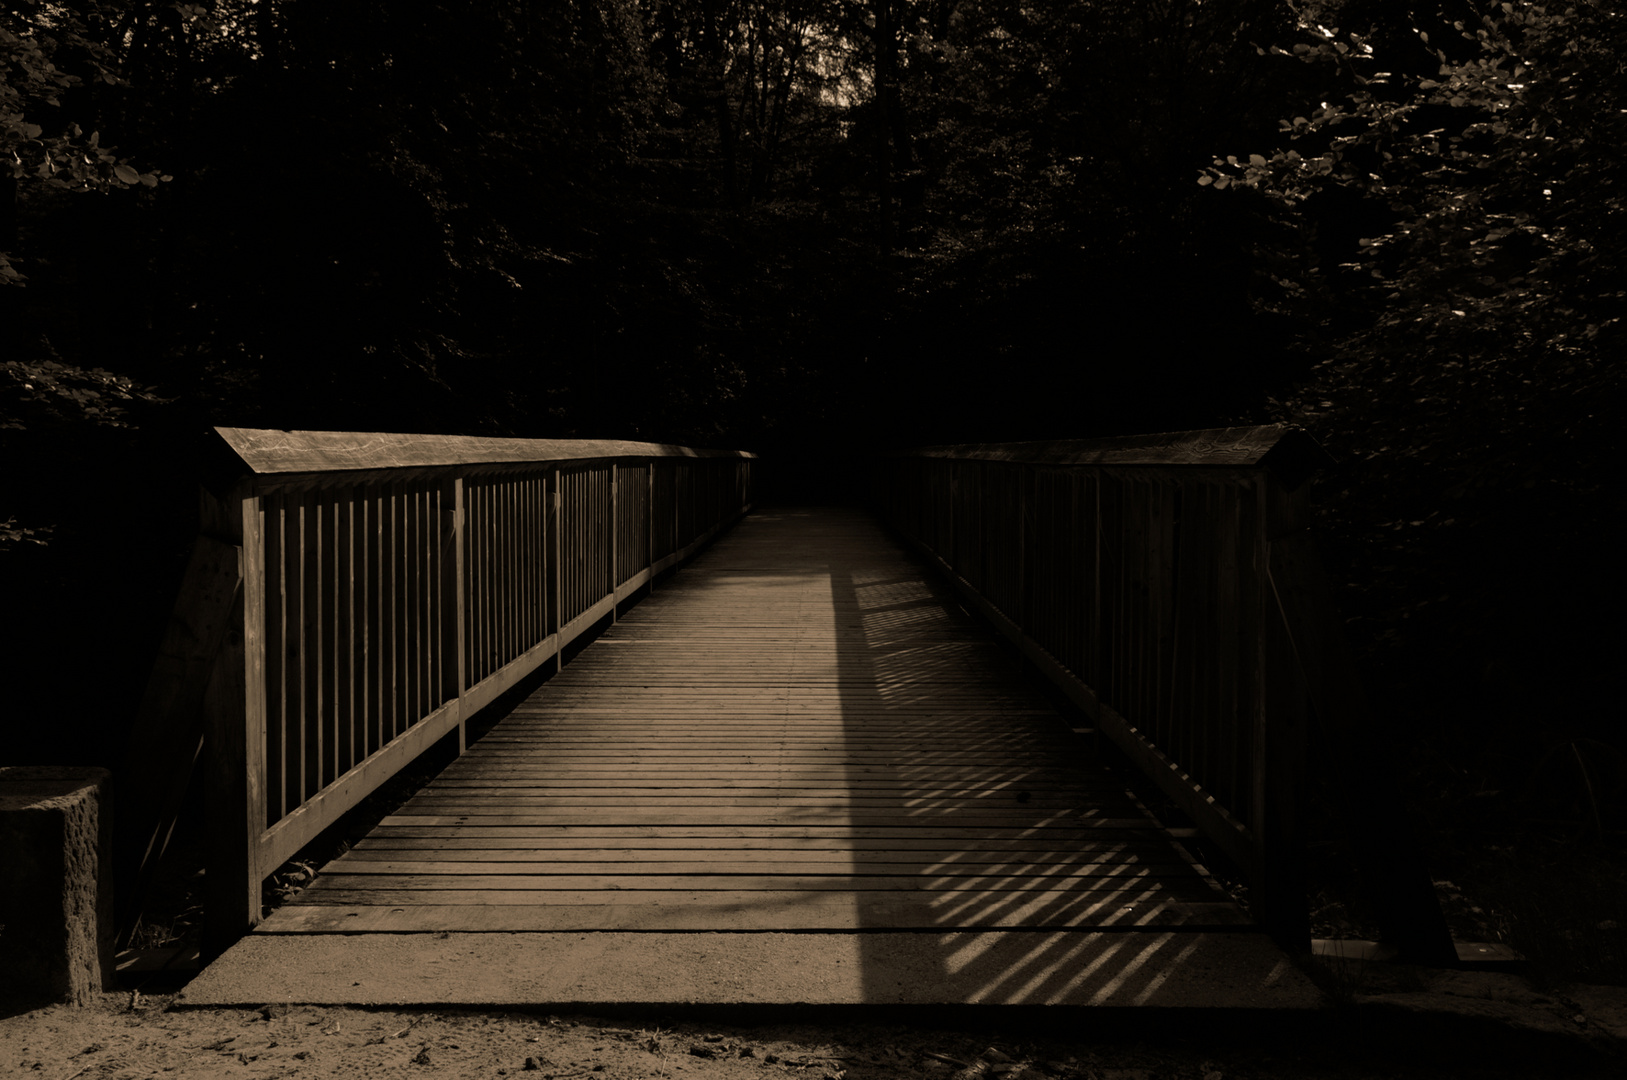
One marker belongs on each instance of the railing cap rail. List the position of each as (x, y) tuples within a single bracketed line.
[(1285, 449), (266, 451)]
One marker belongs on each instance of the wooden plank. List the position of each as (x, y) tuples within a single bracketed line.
[(658, 806), (971, 826), (1269, 445), (235, 717), (1083, 830), (758, 865), (554, 542), (1117, 877), (270, 452), (615, 788), (841, 854), (741, 912), (454, 598), (342, 695)]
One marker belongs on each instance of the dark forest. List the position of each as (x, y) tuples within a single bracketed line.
[(816, 228)]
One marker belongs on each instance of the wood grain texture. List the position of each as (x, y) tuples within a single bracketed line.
[(266, 451), (797, 732)]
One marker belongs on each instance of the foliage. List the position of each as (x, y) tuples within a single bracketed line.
[(32, 85), (59, 392), (1454, 249), (1494, 271)]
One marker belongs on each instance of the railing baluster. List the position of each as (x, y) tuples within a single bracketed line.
[(511, 570), (276, 653), (294, 763), (421, 637), (401, 627), (328, 635), (344, 650), (481, 538), (362, 520)]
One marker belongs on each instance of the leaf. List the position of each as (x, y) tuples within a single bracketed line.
[(127, 174)]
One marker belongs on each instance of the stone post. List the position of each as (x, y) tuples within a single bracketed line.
[(56, 886)]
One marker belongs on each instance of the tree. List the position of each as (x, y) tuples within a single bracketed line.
[(1457, 213)]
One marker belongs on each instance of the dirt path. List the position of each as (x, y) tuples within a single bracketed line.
[(140, 1037)]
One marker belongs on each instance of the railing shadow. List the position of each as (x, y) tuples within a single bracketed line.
[(1030, 880)]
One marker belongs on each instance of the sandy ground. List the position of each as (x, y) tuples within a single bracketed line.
[(127, 1035)]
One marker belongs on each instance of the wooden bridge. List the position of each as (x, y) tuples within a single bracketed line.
[(810, 726), (801, 733)]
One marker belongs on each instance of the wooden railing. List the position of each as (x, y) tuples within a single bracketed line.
[(357, 597), (1167, 583)]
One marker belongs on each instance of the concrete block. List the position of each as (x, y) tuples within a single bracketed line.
[(56, 883)]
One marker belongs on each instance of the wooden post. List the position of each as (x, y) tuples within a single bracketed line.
[(1097, 653), (556, 596), (1020, 594), (615, 543), (234, 707), (1355, 757), (1279, 893), (454, 586)]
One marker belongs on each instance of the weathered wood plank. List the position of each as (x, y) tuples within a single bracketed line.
[(745, 912), (724, 817), (268, 451), (1098, 830), (390, 884), (843, 856), (759, 867), (535, 843)]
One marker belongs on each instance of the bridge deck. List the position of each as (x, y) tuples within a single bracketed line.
[(799, 732)]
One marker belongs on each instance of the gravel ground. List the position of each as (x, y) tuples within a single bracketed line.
[(129, 1035)]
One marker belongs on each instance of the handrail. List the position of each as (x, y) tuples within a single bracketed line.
[(1288, 452), (1166, 583), (390, 586)]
